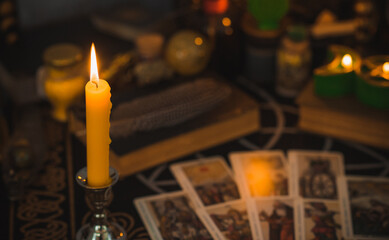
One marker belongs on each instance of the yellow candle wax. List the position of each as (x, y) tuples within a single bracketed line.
[(98, 110)]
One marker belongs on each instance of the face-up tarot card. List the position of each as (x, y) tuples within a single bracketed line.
[(275, 217), (317, 180), (172, 216), (322, 219), (209, 181), (316, 173), (262, 173), (367, 206), (231, 219)]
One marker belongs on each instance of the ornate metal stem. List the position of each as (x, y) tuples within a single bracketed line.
[(98, 199)]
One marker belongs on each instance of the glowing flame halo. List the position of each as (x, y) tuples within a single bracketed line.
[(347, 61), (94, 73)]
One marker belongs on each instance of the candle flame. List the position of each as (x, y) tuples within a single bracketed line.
[(347, 61), (385, 67), (94, 73)]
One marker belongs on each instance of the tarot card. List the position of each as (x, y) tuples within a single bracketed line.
[(276, 218), (171, 216), (322, 219), (231, 219), (209, 181), (316, 173), (367, 205), (262, 173)]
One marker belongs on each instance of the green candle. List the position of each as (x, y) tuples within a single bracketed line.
[(372, 85), (337, 78)]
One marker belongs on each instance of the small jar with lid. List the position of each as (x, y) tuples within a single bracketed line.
[(151, 67), (64, 77)]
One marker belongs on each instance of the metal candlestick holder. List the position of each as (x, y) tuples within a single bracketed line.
[(98, 198)]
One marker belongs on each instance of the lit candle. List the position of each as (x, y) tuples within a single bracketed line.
[(381, 71), (337, 78), (347, 61), (98, 110), (372, 85)]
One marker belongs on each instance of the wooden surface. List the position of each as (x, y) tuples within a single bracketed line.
[(235, 117), (344, 118)]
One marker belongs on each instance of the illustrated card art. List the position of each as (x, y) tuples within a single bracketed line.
[(171, 216), (322, 220), (209, 181), (262, 173), (230, 218), (276, 218), (317, 173), (368, 199)]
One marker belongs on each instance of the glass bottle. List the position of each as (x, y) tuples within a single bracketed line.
[(150, 68), (293, 61)]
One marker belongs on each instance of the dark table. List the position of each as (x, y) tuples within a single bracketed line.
[(54, 207)]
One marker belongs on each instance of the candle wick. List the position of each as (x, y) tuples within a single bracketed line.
[(95, 82)]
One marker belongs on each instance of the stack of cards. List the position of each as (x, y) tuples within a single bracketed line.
[(271, 197)]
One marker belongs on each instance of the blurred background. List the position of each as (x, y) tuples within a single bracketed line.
[(271, 50)]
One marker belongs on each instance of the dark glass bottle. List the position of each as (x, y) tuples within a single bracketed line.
[(223, 19)]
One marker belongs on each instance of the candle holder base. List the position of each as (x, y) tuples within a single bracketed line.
[(92, 232), (98, 198)]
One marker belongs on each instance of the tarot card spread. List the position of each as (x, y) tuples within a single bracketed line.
[(269, 198), (368, 207), (264, 178), (317, 176), (171, 216)]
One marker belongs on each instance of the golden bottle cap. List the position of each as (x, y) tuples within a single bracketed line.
[(62, 55)]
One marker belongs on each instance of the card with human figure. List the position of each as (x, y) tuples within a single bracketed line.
[(172, 216), (209, 181), (275, 217), (366, 202), (262, 173), (231, 219), (317, 173), (321, 219), (264, 179)]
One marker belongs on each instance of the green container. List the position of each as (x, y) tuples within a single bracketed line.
[(373, 94), (372, 90), (334, 85), (268, 13), (332, 80)]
